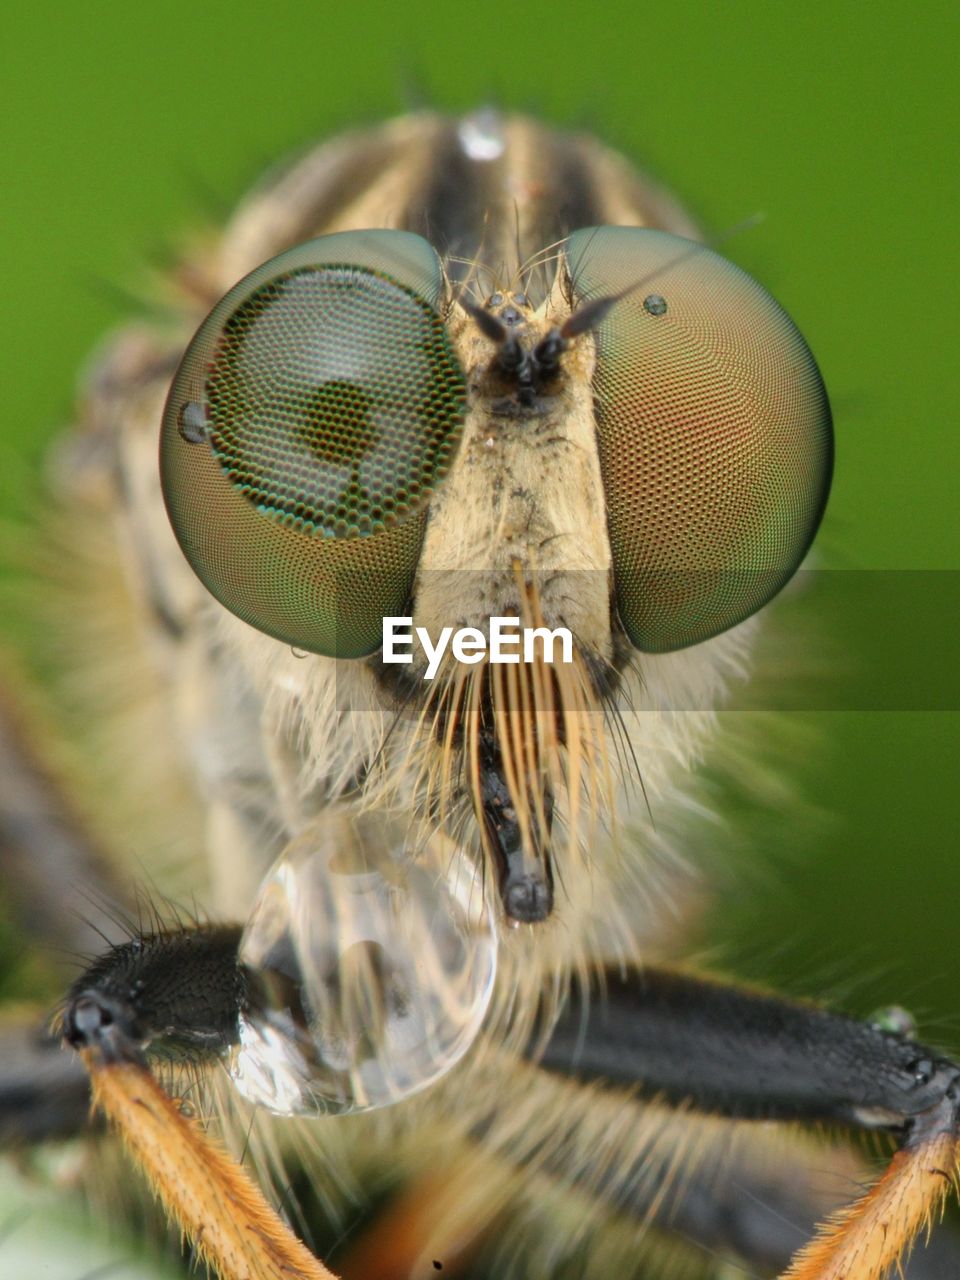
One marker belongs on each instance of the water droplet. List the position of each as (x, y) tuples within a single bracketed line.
[(369, 972), (481, 135), (895, 1018), (655, 305), (192, 422)]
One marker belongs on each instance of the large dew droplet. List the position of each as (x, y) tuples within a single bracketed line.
[(368, 972)]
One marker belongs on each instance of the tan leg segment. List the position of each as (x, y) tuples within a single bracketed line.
[(220, 1210), (873, 1235)]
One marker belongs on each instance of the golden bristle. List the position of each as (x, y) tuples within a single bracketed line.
[(549, 732)]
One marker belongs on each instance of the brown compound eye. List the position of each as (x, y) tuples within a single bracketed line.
[(713, 430), (315, 411)]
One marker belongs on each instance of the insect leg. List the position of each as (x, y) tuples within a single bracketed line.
[(631, 1184), (44, 1093), (739, 1053), (49, 864), (179, 991), (763, 1213)]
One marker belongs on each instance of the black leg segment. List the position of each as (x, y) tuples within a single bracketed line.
[(736, 1052)]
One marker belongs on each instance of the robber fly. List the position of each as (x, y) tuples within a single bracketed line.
[(457, 375)]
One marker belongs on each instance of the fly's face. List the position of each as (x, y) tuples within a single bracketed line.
[(606, 430), (471, 403), (467, 380)]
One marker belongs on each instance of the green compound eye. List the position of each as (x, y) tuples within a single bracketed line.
[(315, 411), (713, 429)]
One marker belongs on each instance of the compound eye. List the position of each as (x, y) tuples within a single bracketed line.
[(713, 430), (315, 411)]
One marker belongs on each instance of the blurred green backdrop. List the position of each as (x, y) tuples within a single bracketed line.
[(123, 125)]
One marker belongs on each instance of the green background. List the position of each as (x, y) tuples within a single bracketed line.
[(122, 126)]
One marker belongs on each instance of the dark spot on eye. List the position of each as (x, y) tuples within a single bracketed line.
[(655, 305), (437, 1266), (192, 422)]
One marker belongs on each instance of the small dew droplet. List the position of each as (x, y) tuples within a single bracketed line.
[(481, 135), (655, 305), (192, 422), (895, 1019)]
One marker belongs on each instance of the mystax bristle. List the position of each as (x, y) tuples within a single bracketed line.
[(544, 724)]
